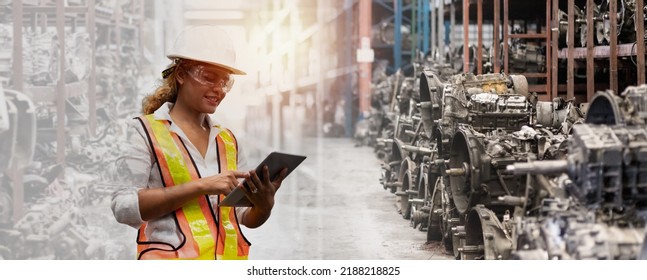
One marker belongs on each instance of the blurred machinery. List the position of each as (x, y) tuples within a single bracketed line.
[(448, 156), (540, 185), (53, 202), (62, 219), (535, 165), (598, 210)]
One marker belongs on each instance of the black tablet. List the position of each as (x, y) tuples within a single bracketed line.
[(275, 162)]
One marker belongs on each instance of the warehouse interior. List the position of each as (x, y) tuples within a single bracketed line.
[(449, 129)]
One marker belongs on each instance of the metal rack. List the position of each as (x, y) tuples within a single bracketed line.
[(552, 87), (419, 15), (545, 87), (36, 14), (57, 93), (62, 90), (501, 8), (591, 52)]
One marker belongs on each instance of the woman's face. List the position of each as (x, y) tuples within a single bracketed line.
[(203, 86)]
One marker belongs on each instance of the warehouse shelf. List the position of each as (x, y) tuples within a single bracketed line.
[(49, 93), (60, 91), (63, 16), (611, 52), (539, 87), (500, 13), (623, 50), (528, 36), (52, 9), (551, 82), (104, 11), (302, 43), (414, 14)]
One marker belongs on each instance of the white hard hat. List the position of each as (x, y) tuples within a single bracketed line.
[(205, 43)]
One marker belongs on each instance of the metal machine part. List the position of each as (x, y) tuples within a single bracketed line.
[(565, 231), (477, 167), (599, 206), (8, 135), (624, 25), (4, 112), (487, 102), (595, 212), (477, 99), (630, 107), (557, 114), (25, 136), (605, 108), (448, 148), (603, 165), (526, 57), (483, 111), (580, 27), (485, 236)]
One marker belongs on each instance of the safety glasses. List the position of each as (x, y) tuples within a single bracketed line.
[(211, 78)]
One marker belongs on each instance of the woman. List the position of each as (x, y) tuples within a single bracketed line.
[(180, 164)]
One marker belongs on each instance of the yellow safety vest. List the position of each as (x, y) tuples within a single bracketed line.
[(204, 236)]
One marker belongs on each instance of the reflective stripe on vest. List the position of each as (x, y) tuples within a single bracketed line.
[(201, 234), (235, 246)]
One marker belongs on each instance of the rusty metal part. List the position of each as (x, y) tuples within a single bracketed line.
[(434, 229), (431, 90), (484, 231), (520, 85), (476, 170), (553, 113), (572, 233), (407, 179), (539, 167), (605, 108), (414, 149)]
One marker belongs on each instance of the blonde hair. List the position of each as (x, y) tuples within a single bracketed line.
[(166, 92)]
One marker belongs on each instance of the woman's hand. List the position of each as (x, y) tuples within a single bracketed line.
[(222, 183), (261, 194), (157, 202)]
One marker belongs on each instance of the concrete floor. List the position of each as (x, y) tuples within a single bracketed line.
[(334, 208)]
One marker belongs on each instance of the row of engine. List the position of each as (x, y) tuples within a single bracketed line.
[(54, 211), (480, 164)]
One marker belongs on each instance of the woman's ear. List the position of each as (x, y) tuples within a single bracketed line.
[(180, 78)]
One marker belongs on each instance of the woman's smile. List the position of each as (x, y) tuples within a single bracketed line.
[(212, 100)]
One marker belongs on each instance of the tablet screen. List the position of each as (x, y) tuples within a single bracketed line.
[(275, 162)]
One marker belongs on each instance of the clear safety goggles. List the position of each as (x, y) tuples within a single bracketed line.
[(211, 78)]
